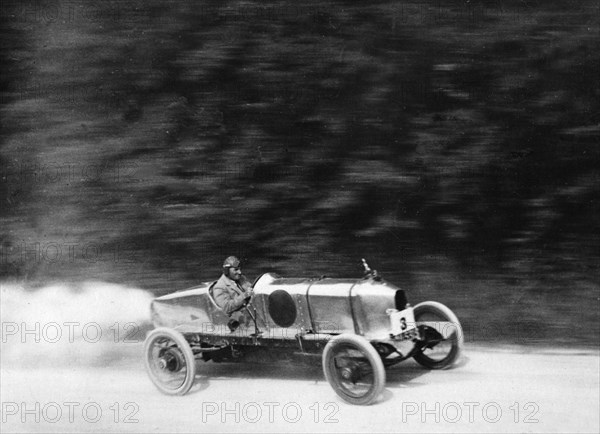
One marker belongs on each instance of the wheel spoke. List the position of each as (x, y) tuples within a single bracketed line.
[(352, 371), (441, 335), (169, 361)]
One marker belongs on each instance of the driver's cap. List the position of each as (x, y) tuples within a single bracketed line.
[(231, 262)]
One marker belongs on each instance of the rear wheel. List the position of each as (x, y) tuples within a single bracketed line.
[(169, 361), (354, 369), (442, 335)]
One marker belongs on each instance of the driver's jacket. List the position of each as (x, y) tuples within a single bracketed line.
[(229, 294)]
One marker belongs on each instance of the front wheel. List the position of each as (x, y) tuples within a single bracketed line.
[(169, 361), (442, 335), (354, 369)]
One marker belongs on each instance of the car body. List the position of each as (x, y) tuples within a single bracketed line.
[(357, 327)]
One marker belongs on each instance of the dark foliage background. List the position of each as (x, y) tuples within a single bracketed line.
[(453, 144)]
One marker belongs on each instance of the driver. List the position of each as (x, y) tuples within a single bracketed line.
[(232, 292)]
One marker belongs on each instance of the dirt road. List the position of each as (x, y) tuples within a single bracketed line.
[(490, 391)]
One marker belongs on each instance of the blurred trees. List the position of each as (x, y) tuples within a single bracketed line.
[(147, 140)]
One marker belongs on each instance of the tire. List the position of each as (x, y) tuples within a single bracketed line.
[(438, 353), (169, 361), (354, 369)]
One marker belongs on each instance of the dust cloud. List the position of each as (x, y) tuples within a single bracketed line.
[(88, 323)]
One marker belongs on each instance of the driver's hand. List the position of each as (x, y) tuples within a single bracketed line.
[(249, 294)]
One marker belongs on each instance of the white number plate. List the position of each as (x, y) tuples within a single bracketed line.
[(403, 321)]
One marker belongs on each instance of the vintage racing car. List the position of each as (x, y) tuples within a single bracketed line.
[(357, 327)]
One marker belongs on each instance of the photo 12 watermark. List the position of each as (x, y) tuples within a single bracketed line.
[(469, 411), (55, 253), (70, 332), (61, 12), (72, 412), (67, 173), (269, 412)]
